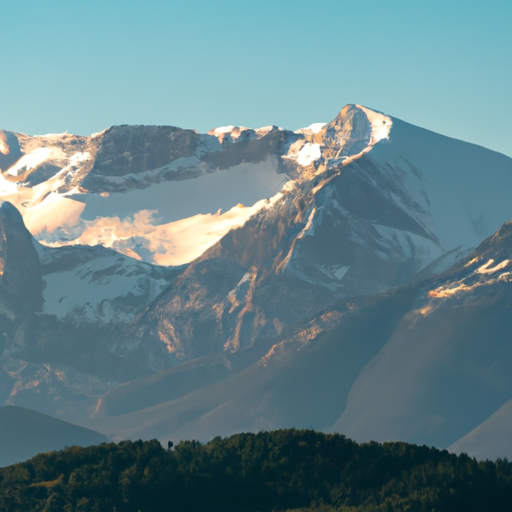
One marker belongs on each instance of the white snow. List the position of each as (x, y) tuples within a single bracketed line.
[(28, 162), (312, 128), (380, 124), (174, 222), (469, 283), (246, 277), (223, 129), (78, 158), (316, 127), (264, 130), (308, 154), (484, 269), (412, 247), (80, 293), (464, 189), (4, 148), (55, 212), (7, 187), (230, 132)]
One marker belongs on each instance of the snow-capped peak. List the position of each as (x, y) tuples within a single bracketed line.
[(380, 124)]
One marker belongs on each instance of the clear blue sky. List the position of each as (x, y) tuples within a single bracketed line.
[(84, 65)]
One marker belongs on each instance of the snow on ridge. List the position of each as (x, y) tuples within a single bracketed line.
[(225, 129), (61, 216), (31, 160), (312, 128), (329, 145), (55, 135), (265, 130), (232, 133), (478, 278), (94, 290), (380, 124), (99, 134), (229, 134), (484, 269), (308, 154)]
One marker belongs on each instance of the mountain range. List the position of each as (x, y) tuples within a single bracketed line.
[(351, 276)]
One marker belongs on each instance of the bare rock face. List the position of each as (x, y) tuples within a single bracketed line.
[(21, 282), (132, 149), (347, 134), (135, 150)]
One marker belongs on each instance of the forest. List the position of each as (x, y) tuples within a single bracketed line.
[(284, 470)]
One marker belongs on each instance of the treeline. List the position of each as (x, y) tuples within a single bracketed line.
[(298, 470)]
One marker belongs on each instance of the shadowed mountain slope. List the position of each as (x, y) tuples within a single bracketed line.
[(310, 286), (25, 433), (426, 363)]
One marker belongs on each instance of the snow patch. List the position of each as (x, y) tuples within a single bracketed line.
[(339, 272), (94, 290), (484, 269), (54, 213), (308, 154), (166, 228), (380, 124), (30, 161), (312, 128)]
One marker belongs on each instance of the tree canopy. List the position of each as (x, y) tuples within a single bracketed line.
[(299, 470)]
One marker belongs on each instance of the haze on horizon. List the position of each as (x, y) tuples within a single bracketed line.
[(81, 67)]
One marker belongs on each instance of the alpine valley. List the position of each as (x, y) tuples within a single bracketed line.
[(351, 277)]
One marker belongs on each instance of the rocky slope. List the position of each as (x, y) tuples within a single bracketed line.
[(263, 272), (395, 212), (427, 363), (60, 312)]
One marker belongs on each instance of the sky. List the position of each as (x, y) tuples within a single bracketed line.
[(83, 66)]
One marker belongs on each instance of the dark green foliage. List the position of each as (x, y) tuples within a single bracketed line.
[(299, 470)]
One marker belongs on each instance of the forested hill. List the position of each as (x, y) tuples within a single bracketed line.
[(270, 471)]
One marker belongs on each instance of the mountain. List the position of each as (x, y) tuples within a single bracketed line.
[(152, 193), (169, 282), (359, 225), (26, 433), (60, 311), (445, 370), (21, 282), (96, 285), (427, 363), (490, 439)]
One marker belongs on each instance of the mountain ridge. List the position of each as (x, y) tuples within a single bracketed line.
[(233, 260), (26, 433)]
